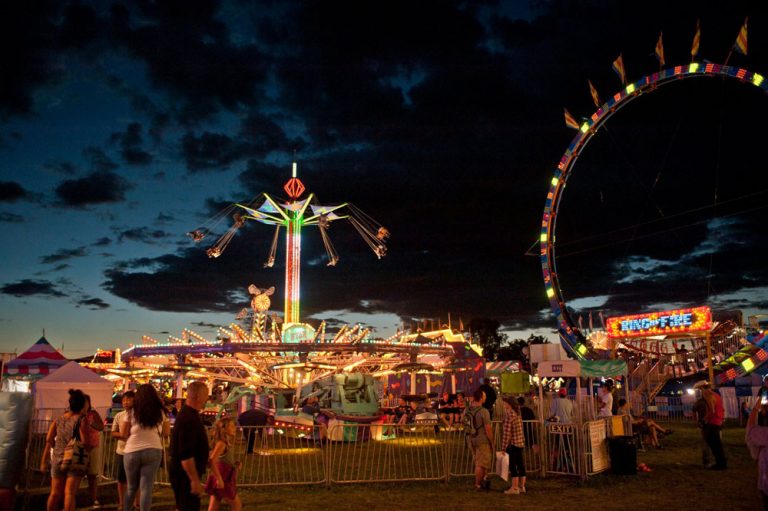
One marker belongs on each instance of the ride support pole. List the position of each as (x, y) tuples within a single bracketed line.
[(709, 360)]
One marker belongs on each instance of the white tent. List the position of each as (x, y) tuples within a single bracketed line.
[(52, 392)]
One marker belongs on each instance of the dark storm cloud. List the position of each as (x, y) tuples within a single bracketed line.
[(209, 151), (100, 187), (64, 254), (66, 168), (25, 41), (29, 287), (142, 235), (102, 242), (130, 142), (189, 55), (11, 218), (445, 125), (10, 191), (99, 160), (216, 151), (32, 38), (141, 104), (93, 303), (204, 324), (164, 219)]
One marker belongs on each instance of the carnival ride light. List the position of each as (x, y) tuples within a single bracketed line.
[(555, 181), (748, 365), (293, 215), (757, 79), (693, 67), (584, 127), (630, 88)]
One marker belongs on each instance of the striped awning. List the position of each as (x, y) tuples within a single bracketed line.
[(503, 365)]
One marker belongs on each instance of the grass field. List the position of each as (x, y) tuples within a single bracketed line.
[(677, 482)]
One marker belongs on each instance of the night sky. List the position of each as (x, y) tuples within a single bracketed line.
[(123, 125)]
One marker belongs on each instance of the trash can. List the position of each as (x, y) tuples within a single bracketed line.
[(623, 453)]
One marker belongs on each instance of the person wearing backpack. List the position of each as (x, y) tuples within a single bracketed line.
[(73, 425), (479, 436)]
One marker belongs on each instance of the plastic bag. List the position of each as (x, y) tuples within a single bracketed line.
[(502, 465)]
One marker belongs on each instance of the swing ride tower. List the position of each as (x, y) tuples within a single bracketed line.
[(292, 214)]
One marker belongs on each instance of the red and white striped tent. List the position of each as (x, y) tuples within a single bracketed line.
[(40, 358)]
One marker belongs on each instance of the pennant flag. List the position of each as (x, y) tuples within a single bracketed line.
[(593, 91), (618, 66), (660, 50), (569, 120), (741, 40), (696, 40)]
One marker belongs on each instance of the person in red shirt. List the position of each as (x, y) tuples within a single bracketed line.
[(713, 425)]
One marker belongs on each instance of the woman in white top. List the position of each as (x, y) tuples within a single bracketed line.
[(143, 450)]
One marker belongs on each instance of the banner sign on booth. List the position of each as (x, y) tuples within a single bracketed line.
[(677, 321), (599, 444)]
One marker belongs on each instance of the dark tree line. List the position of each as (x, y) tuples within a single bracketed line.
[(497, 346)]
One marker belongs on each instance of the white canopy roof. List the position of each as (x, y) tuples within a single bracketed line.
[(52, 392)]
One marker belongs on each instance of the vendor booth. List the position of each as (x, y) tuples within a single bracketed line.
[(51, 393), (568, 452)]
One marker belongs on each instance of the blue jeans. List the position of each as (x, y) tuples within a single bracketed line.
[(140, 469)]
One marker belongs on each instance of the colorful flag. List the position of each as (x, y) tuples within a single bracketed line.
[(696, 40), (618, 66), (569, 120), (741, 40), (660, 50), (593, 91)]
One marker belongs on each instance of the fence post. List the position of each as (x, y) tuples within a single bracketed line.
[(447, 457)]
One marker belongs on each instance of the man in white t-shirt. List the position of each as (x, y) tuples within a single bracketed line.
[(605, 398), (121, 419)]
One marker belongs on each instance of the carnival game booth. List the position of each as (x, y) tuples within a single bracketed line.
[(51, 394), (579, 448)]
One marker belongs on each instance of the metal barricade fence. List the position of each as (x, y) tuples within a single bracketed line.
[(668, 409), (386, 453), (562, 449), (33, 478), (271, 456), (355, 453), (533, 447)]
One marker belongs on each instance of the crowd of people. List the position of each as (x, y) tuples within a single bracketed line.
[(142, 431)]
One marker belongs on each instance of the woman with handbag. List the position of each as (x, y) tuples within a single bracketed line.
[(67, 446), (143, 450)]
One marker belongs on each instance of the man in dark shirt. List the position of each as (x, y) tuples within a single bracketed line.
[(189, 450)]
